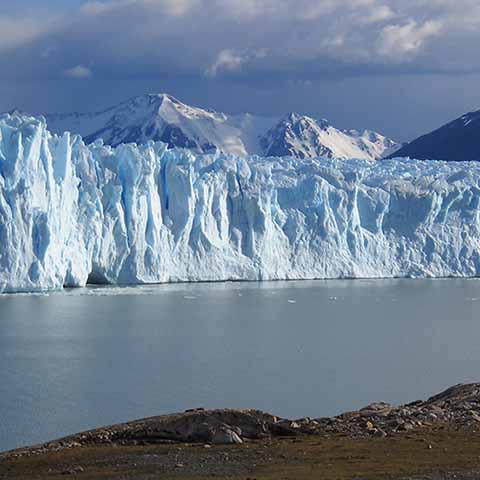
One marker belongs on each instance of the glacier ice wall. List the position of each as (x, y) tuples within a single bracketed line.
[(72, 214)]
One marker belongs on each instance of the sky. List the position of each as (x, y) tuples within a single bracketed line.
[(401, 67)]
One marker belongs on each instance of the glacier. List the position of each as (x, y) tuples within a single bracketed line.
[(72, 214)]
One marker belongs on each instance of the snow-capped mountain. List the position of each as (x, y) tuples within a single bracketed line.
[(301, 136), (458, 140), (161, 117)]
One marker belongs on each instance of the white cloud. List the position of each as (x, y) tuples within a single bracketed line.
[(230, 61), (175, 8), (379, 13), (226, 61), (79, 72), (399, 41), (311, 11)]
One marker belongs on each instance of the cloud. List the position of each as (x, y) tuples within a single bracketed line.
[(399, 41), (99, 8), (15, 31), (230, 61), (169, 7), (79, 72), (223, 38), (380, 13), (226, 61)]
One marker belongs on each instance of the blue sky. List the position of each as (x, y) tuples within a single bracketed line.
[(402, 67)]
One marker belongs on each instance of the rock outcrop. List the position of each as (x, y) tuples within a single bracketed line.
[(457, 408)]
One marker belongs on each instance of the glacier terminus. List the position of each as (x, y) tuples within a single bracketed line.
[(72, 214)]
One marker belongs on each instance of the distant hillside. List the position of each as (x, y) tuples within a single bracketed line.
[(456, 141)]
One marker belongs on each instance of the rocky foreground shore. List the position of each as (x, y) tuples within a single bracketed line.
[(444, 429)]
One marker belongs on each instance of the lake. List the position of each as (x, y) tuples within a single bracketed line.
[(83, 358)]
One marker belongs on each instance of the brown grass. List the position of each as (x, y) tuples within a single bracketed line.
[(337, 458)]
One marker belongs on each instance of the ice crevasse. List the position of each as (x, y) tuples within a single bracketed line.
[(71, 214)]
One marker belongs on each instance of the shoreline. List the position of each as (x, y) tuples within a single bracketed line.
[(94, 286), (450, 419)]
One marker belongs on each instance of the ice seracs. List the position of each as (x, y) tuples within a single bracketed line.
[(72, 214), (161, 117)]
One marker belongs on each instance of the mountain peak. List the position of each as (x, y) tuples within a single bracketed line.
[(162, 117), (292, 117), (150, 99), (166, 98)]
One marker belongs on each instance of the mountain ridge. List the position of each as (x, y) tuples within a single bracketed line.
[(457, 140), (162, 117)]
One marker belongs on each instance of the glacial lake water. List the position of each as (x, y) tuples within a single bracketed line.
[(83, 358)]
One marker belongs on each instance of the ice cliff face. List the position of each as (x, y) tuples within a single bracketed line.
[(70, 214)]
